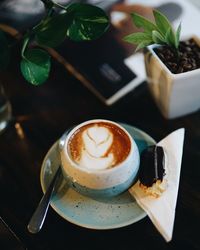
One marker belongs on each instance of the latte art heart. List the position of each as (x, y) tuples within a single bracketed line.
[(96, 144), (99, 146), (97, 141)]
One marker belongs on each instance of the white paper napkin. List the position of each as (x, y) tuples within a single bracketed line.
[(161, 210)]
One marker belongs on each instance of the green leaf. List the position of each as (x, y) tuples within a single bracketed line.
[(157, 37), (160, 33), (35, 66), (89, 22), (4, 51), (177, 36), (53, 30), (143, 45), (170, 38), (162, 22), (144, 23), (138, 37)]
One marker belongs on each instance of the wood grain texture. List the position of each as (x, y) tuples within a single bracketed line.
[(43, 114)]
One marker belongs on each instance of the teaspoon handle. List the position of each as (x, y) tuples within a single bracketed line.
[(37, 219)]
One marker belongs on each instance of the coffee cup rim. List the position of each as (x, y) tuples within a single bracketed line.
[(121, 164)]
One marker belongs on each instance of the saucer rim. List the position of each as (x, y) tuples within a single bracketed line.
[(89, 226)]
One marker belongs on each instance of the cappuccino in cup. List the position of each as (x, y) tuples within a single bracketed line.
[(98, 146), (100, 158)]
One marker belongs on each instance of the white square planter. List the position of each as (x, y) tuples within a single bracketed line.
[(175, 94)]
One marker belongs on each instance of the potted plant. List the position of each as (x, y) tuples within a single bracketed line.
[(76, 21), (172, 66)]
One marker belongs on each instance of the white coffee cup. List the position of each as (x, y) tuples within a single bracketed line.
[(96, 173)]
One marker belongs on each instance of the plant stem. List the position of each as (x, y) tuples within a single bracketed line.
[(49, 12), (59, 5), (50, 4), (47, 2), (26, 40)]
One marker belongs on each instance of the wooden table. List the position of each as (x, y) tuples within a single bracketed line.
[(40, 116)]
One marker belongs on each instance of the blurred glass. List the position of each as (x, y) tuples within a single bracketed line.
[(5, 109)]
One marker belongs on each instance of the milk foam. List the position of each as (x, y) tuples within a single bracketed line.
[(98, 146), (95, 150)]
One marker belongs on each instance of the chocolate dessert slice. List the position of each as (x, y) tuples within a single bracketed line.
[(152, 171)]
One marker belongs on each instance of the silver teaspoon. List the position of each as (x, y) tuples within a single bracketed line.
[(38, 217)]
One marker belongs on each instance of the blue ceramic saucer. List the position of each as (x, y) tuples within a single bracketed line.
[(104, 213)]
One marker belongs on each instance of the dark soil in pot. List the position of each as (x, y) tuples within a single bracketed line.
[(188, 59)]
